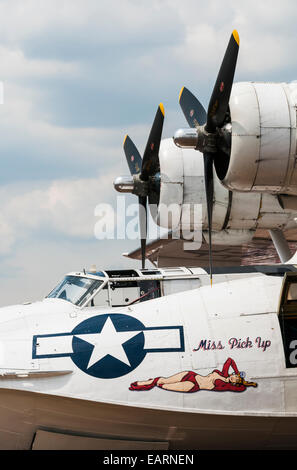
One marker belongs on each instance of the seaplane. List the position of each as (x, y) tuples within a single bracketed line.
[(200, 350)]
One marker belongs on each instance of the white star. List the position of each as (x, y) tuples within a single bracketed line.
[(109, 341)]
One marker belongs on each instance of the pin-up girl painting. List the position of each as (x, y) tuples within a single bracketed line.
[(189, 381)]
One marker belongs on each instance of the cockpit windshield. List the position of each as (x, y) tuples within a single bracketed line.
[(75, 289)]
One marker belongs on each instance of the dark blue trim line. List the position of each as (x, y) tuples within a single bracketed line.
[(44, 356), (181, 337)]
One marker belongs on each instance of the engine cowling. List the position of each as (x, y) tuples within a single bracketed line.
[(236, 215), (263, 147)]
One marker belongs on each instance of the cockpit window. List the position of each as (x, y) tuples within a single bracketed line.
[(75, 289)]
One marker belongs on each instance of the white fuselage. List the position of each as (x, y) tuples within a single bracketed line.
[(90, 356)]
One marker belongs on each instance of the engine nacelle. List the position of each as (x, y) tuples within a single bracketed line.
[(236, 215), (263, 149)]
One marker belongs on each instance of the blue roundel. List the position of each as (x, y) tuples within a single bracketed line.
[(108, 346)]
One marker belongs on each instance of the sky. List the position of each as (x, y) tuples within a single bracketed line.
[(80, 74)]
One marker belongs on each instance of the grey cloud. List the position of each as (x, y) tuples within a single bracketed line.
[(39, 263), (82, 73)]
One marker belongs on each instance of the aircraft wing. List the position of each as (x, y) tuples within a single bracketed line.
[(170, 252)]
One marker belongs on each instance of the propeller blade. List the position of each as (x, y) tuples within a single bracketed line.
[(193, 110), (219, 100), (144, 168), (150, 162), (133, 157), (208, 177), (142, 226)]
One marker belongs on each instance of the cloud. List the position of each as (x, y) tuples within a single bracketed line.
[(90, 64), (17, 67), (80, 74), (80, 27), (33, 148), (64, 207), (93, 65), (7, 236), (36, 265), (267, 36)]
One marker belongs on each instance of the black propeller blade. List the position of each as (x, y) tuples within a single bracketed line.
[(150, 163), (208, 179), (211, 140), (193, 110), (133, 157), (219, 100), (145, 168), (143, 226)]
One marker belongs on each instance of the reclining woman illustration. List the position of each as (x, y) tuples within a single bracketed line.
[(189, 381)]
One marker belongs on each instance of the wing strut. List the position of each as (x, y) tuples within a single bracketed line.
[(280, 244)]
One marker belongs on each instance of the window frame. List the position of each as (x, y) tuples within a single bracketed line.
[(287, 312)]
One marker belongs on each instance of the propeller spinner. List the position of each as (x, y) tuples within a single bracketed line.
[(145, 174), (210, 132)]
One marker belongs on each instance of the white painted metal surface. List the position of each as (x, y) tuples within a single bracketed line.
[(263, 138), (58, 349), (227, 314), (183, 195)]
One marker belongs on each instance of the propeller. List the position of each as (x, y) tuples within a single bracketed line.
[(145, 172), (210, 132)]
